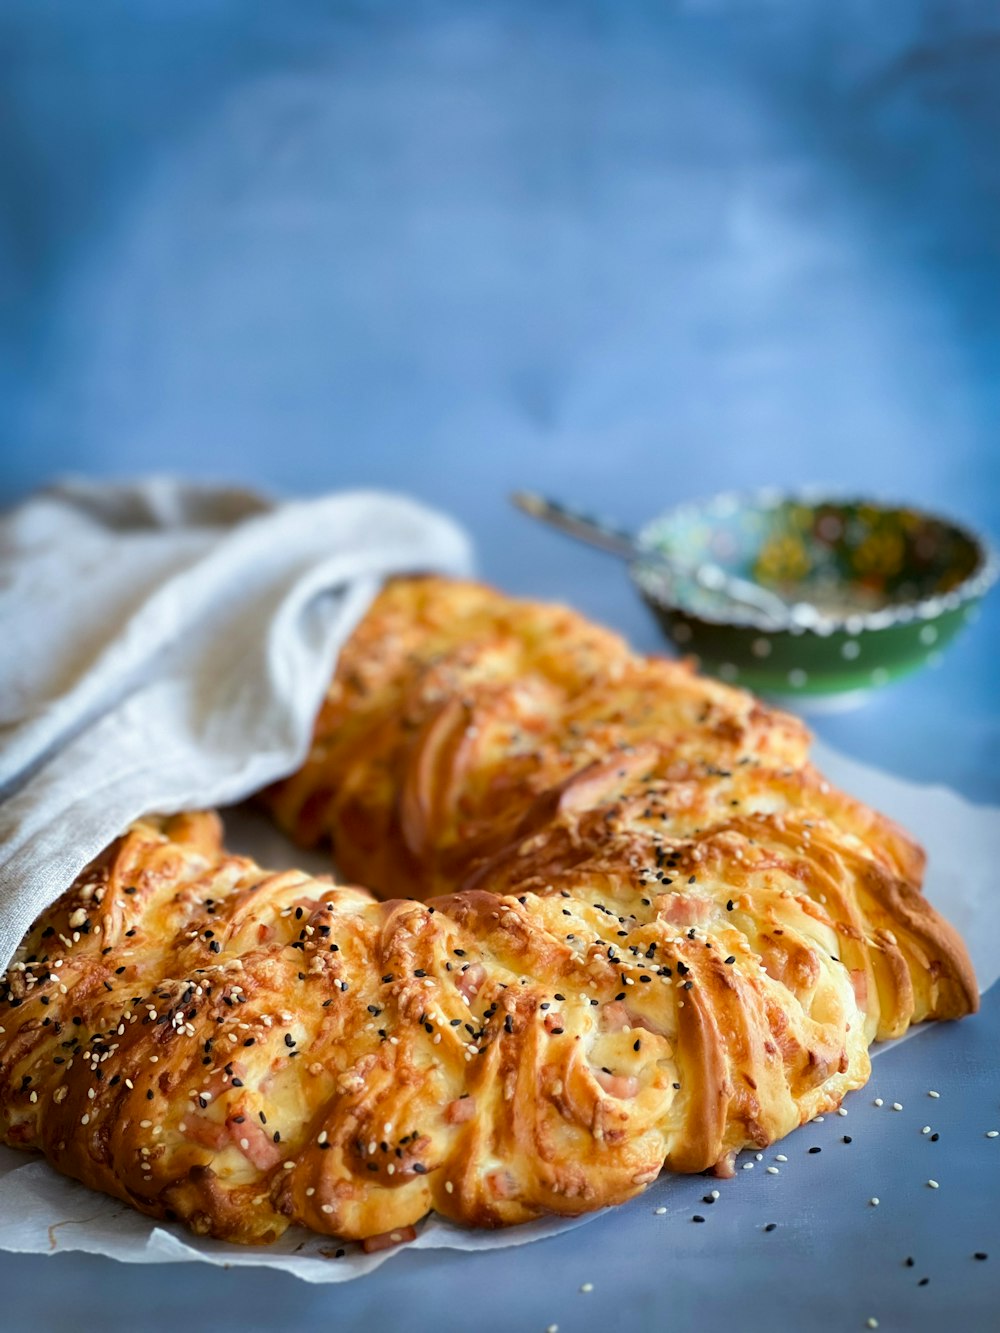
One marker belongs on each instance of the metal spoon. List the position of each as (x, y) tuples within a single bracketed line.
[(595, 532)]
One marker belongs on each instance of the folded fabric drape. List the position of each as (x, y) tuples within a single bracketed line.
[(166, 646)]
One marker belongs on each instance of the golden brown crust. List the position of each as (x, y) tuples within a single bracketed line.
[(659, 936)]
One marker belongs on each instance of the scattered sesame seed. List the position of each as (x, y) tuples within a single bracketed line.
[(874, 1201), (697, 1218), (659, 1211), (933, 1184), (871, 1322), (773, 1171), (587, 1286), (878, 1101), (933, 1094), (926, 1129), (993, 1133), (842, 1110), (771, 1226), (748, 1166), (897, 1106), (980, 1254)]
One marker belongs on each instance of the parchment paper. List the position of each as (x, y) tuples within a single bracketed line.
[(42, 1212)]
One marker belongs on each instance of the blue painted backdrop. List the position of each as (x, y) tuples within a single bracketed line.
[(621, 252)]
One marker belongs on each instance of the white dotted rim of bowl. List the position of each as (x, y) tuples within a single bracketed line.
[(727, 503)]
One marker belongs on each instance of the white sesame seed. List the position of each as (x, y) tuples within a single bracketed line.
[(326, 1207), (714, 1194), (878, 1101), (552, 1328), (872, 1322), (897, 1106), (748, 1166), (773, 1171), (449, 1187), (933, 1184), (933, 1094), (993, 1133), (289, 1166), (758, 1156), (781, 1157), (874, 1201), (659, 1211), (842, 1110), (587, 1286), (926, 1129), (817, 1119)]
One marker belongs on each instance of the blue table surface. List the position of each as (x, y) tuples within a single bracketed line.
[(618, 252)]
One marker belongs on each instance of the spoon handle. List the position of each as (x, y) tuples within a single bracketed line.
[(595, 532), (584, 527)]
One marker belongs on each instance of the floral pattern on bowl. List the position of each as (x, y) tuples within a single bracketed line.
[(892, 584)]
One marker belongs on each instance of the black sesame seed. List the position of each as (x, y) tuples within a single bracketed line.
[(980, 1254), (847, 1138), (815, 1149), (697, 1218), (771, 1226)]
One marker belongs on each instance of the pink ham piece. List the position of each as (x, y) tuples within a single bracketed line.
[(622, 1086), (387, 1239), (460, 1110), (470, 980), (682, 909), (617, 1016), (254, 1143), (206, 1133)]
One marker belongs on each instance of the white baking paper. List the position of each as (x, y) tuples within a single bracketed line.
[(44, 1213)]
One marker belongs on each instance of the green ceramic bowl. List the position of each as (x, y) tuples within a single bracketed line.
[(894, 586)]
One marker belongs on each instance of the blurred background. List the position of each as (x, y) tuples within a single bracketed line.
[(622, 253)]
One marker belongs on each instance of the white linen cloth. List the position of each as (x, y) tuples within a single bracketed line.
[(165, 646)]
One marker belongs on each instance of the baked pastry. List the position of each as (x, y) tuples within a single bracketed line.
[(651, 935)]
